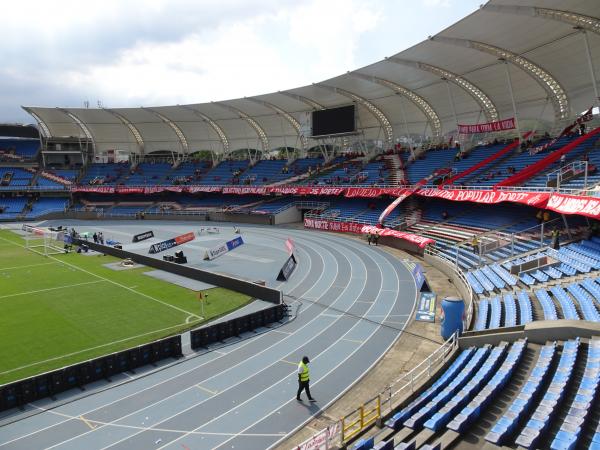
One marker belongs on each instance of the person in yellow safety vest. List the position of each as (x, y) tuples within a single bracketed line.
[(304, 379)]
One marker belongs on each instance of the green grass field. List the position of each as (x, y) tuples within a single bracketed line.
[(63, 309)]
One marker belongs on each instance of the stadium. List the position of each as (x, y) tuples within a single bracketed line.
[(418, 240)]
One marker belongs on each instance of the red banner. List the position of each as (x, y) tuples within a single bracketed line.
[(193, 189), (364, 192), (306, 190), (537, 199), (421, 241), (184, 238), (96, 189), (243, 190), (330, 225), (501, 125), (129, 190), (401, 196), (573, 204)]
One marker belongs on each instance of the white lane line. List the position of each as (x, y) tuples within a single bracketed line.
[(26, 266), (244, 360), (248, 342), (282, 332), (66, 286), (285, 378), (323, 408), (111, 281), (161, 430), (199, 386)]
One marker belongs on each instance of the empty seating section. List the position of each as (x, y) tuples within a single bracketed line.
[(586, 303), (11, 207), (482, 315), (146, 174), (571, 427), (517, 159), (500, 378), (104, 173), (566, 303), (475, 382), (428, 162), (425, 412), (554, 395), (398, 419), (522, 404), (15, 176), (475, 156), (24, 148), (46, 205), (510, 310), (575, 154), (265, 172), (226, 172), (547, 305), (525, 308)]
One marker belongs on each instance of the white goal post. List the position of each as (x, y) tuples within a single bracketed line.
[(43, 241)]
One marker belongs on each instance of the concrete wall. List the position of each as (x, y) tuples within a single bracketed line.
[(290, 215)]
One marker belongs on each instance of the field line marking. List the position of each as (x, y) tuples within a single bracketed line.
[(27, 266), (113, 282), (51, 289)]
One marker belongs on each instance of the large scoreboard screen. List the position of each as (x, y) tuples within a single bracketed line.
[(328, 122)]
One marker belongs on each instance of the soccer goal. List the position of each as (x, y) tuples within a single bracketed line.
[(42, 241)]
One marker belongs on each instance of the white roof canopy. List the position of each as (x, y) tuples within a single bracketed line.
[(459, 75)]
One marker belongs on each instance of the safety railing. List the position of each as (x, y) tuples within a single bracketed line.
[(339, 433)]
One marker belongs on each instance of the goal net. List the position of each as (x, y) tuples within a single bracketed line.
[(43, 241)]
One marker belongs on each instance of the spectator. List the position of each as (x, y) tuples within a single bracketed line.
[(555, 239), (445, 215), (546, 216), (475, 245)]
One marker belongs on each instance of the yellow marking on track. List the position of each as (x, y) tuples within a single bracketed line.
[(87, 422), (207, 390), (289, 362), (353, 340)]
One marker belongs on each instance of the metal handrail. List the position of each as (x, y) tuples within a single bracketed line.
[(341, 431)]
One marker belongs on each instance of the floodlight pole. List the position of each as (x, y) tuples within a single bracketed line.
[(588, 54), (512, 97)]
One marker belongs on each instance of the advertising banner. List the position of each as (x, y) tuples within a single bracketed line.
[(426, 310), (330, 225), (243, 190), (537, 199), (501, 125), (221, 249), (170, 243), (287, 269), (419, 276), (143, 236), (573, 204)]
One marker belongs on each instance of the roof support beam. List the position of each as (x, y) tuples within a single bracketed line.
[(45, 131), (377, 113), (174, 127), (214, 125), (260, 132), (423, 105), (305, 100), (81, 125), (288, 117), (577, 20), (131, 127), (555, 91), (484, 102)]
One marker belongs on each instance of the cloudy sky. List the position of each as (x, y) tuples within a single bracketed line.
[(156, 52)]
